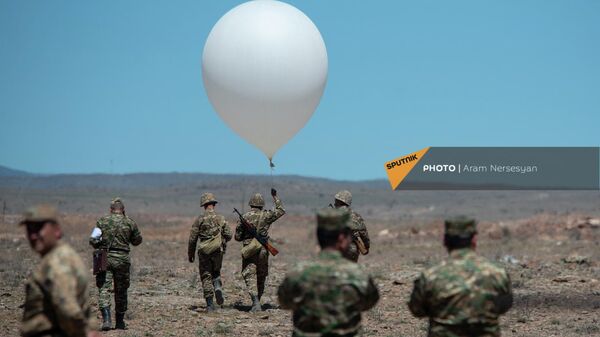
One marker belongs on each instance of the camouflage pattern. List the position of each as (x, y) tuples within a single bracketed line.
[(358, 230), (327, 296), (460, 226), (463, 296), (333, 219), (118, 232), (344, 196), (257, 200), (207, 198), (115, 279), (57, 296), (206, 227), (256, 268)]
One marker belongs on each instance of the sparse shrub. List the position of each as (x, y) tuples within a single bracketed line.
[(267, 332), (587, 329), (201, 332), (222, 328)]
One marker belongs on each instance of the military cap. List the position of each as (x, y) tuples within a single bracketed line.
[(333, 219), (460, 226), (207, 198), (344, 196), (257, 200), (40, 213), (116, 202)]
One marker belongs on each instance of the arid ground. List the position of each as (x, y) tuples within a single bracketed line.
[(550, 244)]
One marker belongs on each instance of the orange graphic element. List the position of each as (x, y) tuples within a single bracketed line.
[(399, 168)]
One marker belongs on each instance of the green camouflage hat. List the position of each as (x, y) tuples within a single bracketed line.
[(344, 196), (333, 219), (460, 226), (257, 200), (40, 213), (207, 198)]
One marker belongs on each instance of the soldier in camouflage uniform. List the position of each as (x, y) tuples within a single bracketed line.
[(256, 267), (118, 231), (209, 227), (343, 200), (56, 299), (328, 295), (464, 295)]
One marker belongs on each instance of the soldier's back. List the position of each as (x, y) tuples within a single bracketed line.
[(465, 295), (357, 221), (327, 296), (118, 231), (210, 224)]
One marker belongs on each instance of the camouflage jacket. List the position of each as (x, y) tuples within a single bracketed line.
[(359, 229), (206, 227), (261, 219), (118, 231), (327, 296), (57, 296), (464, 295)]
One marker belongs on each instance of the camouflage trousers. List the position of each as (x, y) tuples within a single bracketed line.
[(114, 280), (210, 270), (300, 333), (254, 271), (479, 330)]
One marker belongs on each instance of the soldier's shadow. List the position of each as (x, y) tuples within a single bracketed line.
[(237, 306), (246, 308)]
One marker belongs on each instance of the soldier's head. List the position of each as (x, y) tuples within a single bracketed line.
[(257, 201), (460, 232), (117, 206), (342, 198), (208, 200), (333, 229), (43, 230)]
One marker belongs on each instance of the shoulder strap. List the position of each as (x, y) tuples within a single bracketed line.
[(112, 239)]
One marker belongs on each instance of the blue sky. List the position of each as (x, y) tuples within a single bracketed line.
[(116, 86)]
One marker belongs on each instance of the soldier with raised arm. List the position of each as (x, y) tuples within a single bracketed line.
[(255, 257)]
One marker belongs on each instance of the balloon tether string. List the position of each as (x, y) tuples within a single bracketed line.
[(272, 167)]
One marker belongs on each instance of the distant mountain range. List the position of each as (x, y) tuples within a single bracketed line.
[(179, 193), (8, 172)]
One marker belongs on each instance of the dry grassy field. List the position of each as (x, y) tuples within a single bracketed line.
[(552, 259)]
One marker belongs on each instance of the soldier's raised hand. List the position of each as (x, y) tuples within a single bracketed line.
[(273, 192)]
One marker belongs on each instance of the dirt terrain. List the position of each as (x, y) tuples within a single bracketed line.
[(548, 240), (552, 259)]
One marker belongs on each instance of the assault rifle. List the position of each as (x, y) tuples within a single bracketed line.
[(261, 239)]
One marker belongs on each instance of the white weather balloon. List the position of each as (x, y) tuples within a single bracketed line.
[(264, 68)]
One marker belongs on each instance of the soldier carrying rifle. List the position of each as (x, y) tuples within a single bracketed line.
[(255, 255), (360, 236)]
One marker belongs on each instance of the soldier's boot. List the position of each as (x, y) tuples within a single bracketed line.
[(120, 318), (218, 290), (255, 303), (210, 307), (106, 320)]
